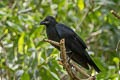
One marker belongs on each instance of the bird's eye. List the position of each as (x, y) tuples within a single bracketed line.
[(46, 20)]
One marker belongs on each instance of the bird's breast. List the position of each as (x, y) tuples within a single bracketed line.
[(52, 34)]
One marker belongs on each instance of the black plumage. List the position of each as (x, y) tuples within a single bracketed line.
[(75, 46)]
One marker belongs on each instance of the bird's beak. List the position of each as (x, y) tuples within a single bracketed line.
[(44, 22)]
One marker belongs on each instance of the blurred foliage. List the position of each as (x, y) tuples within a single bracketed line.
[(23, 54)]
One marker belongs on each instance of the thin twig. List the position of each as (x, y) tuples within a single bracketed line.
[(90, 39), (92, 78), (81, 71), (52, 42), (115, 14), (30, 9), (118, 44), (83, 18), (78, 69), (89, 9), (25, 11), (2, 37), (14, 4)]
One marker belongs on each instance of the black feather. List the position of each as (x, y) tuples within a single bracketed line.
[(73, 42)]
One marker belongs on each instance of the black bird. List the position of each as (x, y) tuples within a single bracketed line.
[(75, 46)]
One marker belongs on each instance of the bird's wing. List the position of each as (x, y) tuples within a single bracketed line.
[(69, 34), (73, 43), (76, 45)]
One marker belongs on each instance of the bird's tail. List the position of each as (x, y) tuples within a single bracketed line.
[(91, 63), (94, 66)]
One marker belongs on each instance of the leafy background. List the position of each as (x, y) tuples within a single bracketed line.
[(23, 54)]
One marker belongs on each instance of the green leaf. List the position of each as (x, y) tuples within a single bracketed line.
[(116, 60), (11, 24), (81, 4), (54, 75), (21, 43), (25, 76)]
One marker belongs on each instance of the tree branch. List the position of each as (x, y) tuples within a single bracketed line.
[(52, 42), (25, 11), (115, 14), (117, 51), (81, 71), (67, 65)]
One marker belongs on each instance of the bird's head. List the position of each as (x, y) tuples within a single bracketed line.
[(49, 20)]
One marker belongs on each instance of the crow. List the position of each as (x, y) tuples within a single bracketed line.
[(75, 46)]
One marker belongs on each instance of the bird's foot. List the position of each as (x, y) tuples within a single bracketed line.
[(69, 63), (68, 52)]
